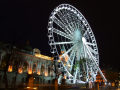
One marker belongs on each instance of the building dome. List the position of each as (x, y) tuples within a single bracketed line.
[(36, 51)]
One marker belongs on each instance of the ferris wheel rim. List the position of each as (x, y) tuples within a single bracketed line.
[(64, 6)]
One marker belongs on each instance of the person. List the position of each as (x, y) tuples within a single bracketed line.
[(90, 84)]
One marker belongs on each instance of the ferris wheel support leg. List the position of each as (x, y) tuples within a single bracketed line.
[(87, 72), (97, 65), (75, 75), (102, 74)]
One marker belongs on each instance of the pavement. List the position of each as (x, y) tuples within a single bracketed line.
[(61, 88)]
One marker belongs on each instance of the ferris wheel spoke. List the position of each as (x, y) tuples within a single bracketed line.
[(85, 52), (76, 72), (60, 24), (89, 53), (67, 18), (64, 20), (71, 54), (66, 70), (85, 33), (76, 22), (72, 23), (58, 43), (88, 47), (93, 58), (88, 43), (61, 33), (72, 61), (68, 50), (78, 26), (69, 59)]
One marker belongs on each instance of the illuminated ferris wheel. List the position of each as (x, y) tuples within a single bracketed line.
[(71, 40)]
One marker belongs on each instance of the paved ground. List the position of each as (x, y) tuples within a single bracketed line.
[(61, 88), (109, 88)]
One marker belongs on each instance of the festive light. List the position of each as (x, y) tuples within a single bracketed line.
[(64, 57), (43, 57)]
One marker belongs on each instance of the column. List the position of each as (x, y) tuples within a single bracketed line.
[(30, 65), (46, 70), (20, 68), (39, 68)]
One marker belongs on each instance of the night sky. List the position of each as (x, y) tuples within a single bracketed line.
[(23, 20)]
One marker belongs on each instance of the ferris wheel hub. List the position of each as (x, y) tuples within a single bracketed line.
[(83, 40), (77, 36)]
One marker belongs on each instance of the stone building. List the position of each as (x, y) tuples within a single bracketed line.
[(22, 65)]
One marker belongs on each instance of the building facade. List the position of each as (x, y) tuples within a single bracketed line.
[(22, 66)]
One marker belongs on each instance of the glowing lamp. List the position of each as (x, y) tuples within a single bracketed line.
[(38, 72), (66, 58), (29, 71), (59, 61), (69, 65), (46, 73), (10, 68), (64, 77), (20, 70), (62, 52)]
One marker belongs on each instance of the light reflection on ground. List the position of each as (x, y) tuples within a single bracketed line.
[(118, 88), (68, 88)]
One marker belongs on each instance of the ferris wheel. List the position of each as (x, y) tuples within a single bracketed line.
[(71, 40)]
